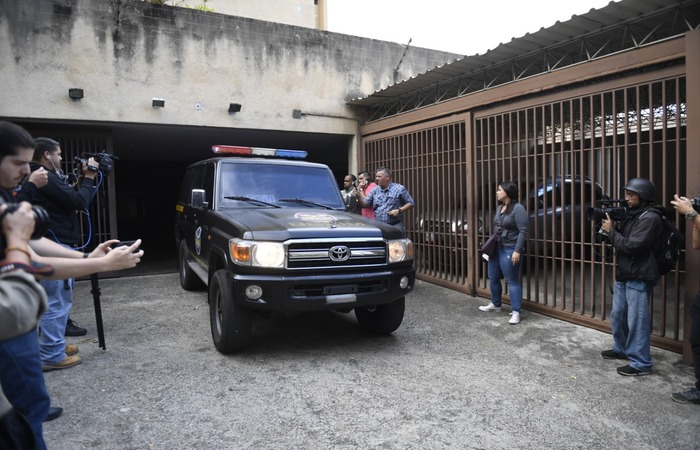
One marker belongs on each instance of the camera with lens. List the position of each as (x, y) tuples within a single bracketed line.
[(41, 221), (104, 162), (609, 207)]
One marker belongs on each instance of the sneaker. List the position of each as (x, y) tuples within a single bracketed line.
[(490, 307), (514, 318), (71, 349), (68, 362), (691, 395), (72, 329), (612, 354), (629, 371)]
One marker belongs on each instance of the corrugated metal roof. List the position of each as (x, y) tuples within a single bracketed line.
[(616, 15)]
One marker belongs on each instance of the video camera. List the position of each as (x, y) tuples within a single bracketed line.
[(603, 207), (41, 221), (104, 162)]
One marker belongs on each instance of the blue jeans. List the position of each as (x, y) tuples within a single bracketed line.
[(501, 266), (52, 342), (23, 381), (631, 322)]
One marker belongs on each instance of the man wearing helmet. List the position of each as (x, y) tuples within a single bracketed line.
[(636, 274)]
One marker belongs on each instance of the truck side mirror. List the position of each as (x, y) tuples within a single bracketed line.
[(199, 199)]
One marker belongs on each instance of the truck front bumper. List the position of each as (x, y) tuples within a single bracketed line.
[(321, 292)]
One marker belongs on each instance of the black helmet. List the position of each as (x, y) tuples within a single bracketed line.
[(642, 187)]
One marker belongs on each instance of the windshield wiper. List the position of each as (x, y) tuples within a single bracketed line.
[(251, 200), (304, 202)]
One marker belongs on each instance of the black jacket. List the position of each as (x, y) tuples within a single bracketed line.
[(62, 201), (635, 244)]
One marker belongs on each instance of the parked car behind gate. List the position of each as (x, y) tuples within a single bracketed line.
[(557, 211), (443, 236)]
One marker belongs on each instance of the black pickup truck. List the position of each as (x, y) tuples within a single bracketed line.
[(271, 235)]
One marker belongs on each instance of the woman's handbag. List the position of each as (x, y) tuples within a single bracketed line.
[(489, 247)]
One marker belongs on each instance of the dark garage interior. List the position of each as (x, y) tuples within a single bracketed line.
[(150, 165)]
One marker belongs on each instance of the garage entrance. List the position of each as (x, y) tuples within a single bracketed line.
[(137, 199)]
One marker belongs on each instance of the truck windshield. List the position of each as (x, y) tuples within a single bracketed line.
[(271, 183)]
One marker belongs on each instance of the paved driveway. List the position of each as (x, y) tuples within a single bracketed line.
[(450, 377)]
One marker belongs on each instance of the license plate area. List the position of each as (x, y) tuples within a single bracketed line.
[(342, 289)]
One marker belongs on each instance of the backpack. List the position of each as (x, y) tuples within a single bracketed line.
[(668, 250)]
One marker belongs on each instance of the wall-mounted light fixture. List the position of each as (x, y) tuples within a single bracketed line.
[(75, 93), (158, 102), (234, 107)]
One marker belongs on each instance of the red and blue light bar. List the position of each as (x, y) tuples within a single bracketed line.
[(258, 151)]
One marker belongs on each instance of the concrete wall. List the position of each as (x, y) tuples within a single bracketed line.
[(124, 53)]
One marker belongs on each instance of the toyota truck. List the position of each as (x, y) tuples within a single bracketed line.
[(266, 232)]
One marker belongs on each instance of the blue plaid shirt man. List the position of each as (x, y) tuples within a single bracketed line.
[(390, 200)]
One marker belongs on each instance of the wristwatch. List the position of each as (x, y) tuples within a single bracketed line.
[(691, 214)]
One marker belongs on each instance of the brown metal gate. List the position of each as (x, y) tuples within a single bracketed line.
[(566, 150), (432, 162), (569, 153)]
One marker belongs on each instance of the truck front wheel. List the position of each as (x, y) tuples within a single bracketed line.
[(381, 319), (230, 324)]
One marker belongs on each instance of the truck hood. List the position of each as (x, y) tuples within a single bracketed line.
[(280, 224)]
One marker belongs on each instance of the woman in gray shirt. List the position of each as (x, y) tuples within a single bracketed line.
[(511, 219)]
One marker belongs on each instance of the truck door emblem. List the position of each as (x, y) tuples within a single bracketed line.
[(198, 240)]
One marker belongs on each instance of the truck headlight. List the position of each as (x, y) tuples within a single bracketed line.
[(257, 254), (400, 250), (268, 254)]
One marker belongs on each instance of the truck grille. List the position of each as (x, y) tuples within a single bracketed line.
[(314, 254)]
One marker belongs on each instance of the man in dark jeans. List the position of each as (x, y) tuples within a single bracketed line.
[(692, 395), (636, 274)]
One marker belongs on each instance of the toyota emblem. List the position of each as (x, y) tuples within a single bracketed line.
[(339, 253)]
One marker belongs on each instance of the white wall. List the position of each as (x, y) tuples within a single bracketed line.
[(123, 53)]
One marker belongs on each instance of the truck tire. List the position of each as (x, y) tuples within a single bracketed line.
[(188, 279), (230, 324), (381, 319)]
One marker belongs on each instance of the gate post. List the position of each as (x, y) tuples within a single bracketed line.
[(692, 257)]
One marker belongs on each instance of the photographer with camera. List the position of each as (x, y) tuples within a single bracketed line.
[(636, 274), (689, 208), (61, 201), (21, 303)]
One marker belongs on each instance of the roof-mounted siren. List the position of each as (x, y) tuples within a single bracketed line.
[(258, 151)]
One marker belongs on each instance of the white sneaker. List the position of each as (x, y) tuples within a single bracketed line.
[(490, 307), (514, 318)]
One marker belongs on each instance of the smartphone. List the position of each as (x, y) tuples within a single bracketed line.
[(122, 244)]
